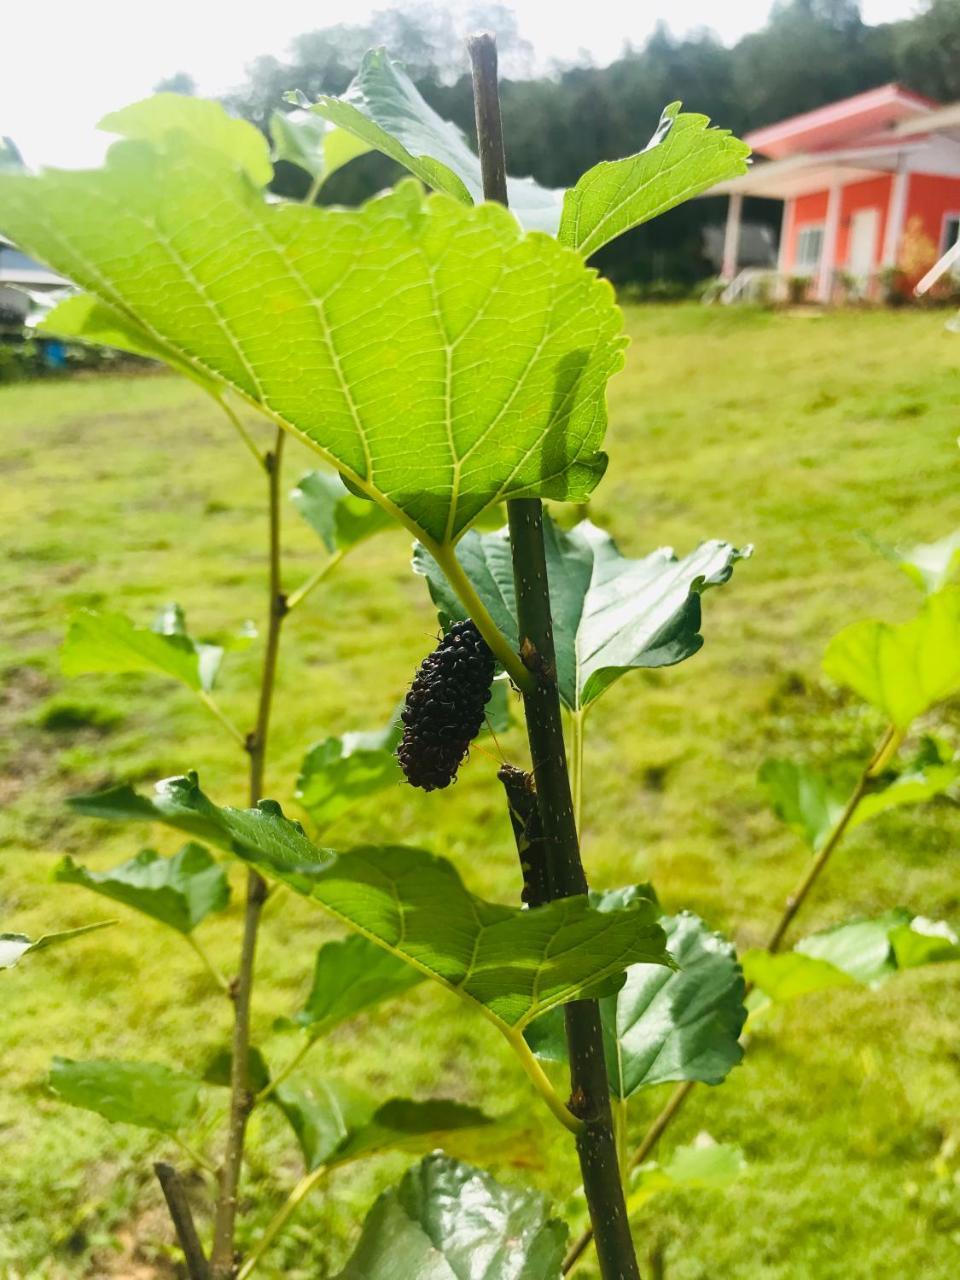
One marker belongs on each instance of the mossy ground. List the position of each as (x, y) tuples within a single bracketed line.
[(796, 434)]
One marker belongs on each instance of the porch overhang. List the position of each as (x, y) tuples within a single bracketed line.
[(801, 174)]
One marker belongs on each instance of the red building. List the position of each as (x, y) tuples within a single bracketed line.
[(867, 183)]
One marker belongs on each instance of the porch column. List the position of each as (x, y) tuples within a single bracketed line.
[(896, 212), (786, 233), (731, 239), (828, 254)]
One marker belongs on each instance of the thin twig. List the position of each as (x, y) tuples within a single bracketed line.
[(182, 1217), (301, 593), (238, 426), (241, 1098), (204, 957), (214, 708)]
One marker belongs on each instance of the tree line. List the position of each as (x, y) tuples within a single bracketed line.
[(558, 124)]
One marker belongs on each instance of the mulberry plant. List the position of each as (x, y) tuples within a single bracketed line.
[(443, 352)]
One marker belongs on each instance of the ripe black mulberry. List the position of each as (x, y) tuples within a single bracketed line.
[(444, 708)]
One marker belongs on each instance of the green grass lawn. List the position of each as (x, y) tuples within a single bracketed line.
[(794, 433)]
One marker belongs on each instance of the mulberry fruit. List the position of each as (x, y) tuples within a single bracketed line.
[(443, 711)]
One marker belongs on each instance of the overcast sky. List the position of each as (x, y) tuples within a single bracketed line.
[(65, 64)]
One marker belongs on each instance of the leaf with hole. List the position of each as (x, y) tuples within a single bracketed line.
[(147, 1094), (663, 1025), (179, 891), (610, 614), (383, 107), (350, 976), (110, 642), (14, 946), (684, 158), (513, 965), (449, 1221), (902, 669), (434, 355)]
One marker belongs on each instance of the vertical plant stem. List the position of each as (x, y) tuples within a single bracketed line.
[(576, 766), (886, 749), (182, 1216), (590, 1097), (222, 1261)]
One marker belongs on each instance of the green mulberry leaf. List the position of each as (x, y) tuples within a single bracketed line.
[(513, 965), (902, 669), (448, 1221), (663, 1025), (610, 614), (683, 159), (383, 108), (436, 356), (179, 891)]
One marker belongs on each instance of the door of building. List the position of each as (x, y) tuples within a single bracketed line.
[(862, 253)]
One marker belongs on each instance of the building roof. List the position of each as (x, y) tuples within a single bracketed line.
[(845, 122)]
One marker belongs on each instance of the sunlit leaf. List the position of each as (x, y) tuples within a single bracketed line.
[(82, 317), (902, 669), (14, 946), (610, 614), (710, 1166), (338, 518), (378, 335), (513, 964), (349, 977), (662, 1025), (932, 565), (807, 799), (111, 642), (383, 107), (913, 786), (448, 1221), (307, 140), (683, 159), (339, 772), (179, 891), (860, 948), (147, 1094), (923, 942), (867, 952), (165, 116), (791, 974)]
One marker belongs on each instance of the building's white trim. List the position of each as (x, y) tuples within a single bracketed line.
[(786, 233), (731, 236), (896, 216), (828, 255)]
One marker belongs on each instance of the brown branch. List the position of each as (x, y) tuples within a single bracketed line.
[(182, 1216), (241, 1095)]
